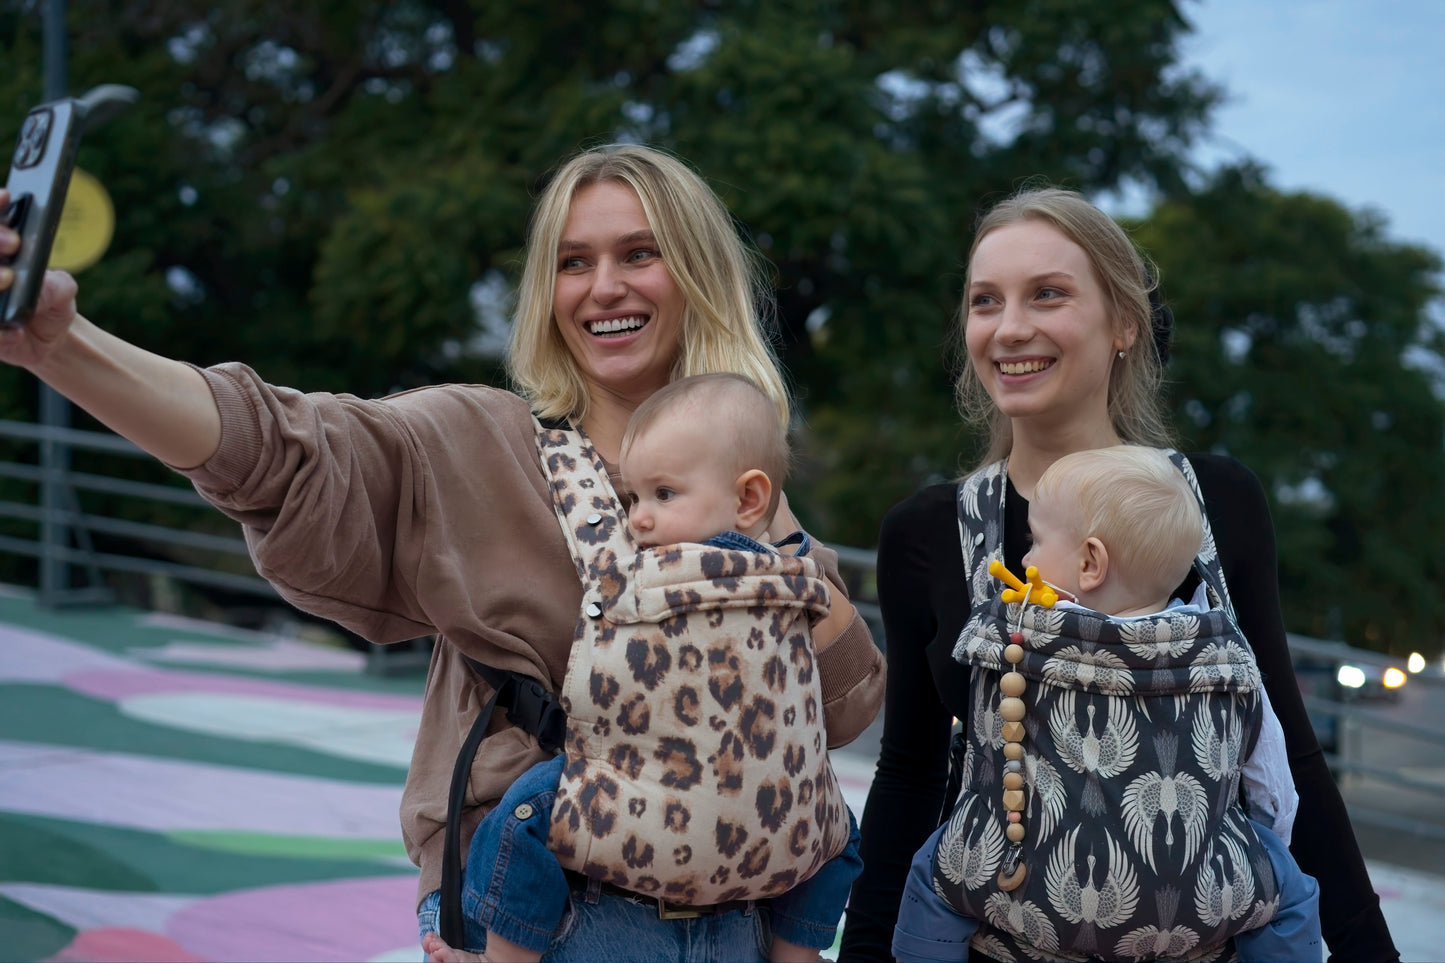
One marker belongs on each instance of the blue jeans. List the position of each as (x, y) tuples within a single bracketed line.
[(607, 928), (808, 914), (1294, 933), (514, 887), (930, 930)]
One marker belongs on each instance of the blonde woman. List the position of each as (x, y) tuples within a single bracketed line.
[(429, 513), (1064, 354)]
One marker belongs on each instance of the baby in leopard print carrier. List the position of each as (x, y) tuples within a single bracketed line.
[(695, 774), (1100, 814)]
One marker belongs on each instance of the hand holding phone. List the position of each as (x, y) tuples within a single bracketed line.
[(39, 176)]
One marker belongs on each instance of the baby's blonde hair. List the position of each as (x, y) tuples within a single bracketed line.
[(1135, 501)]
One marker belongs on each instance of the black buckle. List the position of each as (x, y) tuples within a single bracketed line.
[(537, 711)]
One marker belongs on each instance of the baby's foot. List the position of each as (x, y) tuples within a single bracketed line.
[(437, 951)]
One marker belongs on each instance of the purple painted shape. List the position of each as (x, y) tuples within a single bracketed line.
[(118, 685), (345, 920)]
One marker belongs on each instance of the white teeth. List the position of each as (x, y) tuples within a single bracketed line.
[(1022, 367), (614, 325)]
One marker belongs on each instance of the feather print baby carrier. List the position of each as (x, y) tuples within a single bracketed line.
[(1135, 845), (697, 766)]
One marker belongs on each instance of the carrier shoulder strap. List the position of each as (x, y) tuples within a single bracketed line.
[(531, 707)]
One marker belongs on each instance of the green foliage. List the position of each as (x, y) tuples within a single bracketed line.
[(1298, 324), (317, 188)]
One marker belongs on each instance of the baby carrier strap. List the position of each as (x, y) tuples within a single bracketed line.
[(530, 707), (696, 758), (1133, 842)]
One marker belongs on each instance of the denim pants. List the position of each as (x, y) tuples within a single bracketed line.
[(514, 887), (1294, 933), (606, 928), (930, 930)]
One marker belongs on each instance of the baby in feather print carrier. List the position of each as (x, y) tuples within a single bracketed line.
[(1100, 815)]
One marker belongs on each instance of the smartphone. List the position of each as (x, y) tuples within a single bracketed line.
[(39, 176)]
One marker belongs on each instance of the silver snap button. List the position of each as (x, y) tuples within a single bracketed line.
[(523, 811), (593, 609), (594, 519)]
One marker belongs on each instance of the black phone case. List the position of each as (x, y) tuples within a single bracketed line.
[(39, 177)]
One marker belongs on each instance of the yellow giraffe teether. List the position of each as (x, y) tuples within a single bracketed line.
[(1035, 591)]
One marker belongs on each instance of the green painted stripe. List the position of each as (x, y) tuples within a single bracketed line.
[(296, 847), (28, 935), (118, 630), (75, 720), (59, 852)]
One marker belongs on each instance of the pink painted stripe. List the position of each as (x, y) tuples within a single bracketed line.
[(346, 920), (116, 685), (119, 944)]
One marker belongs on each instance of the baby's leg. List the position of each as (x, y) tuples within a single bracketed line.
[(1294, 933), (513, 889), (782, 951), (805, 918), (929, 930)]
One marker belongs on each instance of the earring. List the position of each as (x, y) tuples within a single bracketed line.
[(1121, 356)]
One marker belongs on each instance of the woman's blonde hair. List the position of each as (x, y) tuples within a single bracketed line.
[(1136, 408), (727, 309)]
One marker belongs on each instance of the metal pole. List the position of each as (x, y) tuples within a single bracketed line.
[(54, 408), (55, 52)]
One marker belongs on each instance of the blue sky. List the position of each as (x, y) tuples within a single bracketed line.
[(1341, 97)]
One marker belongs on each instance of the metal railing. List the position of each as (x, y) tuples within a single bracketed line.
[(65, 533), (65, 528), (57, 526)]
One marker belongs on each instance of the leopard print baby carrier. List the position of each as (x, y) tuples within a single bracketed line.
[(1135, 844), (697, 766)]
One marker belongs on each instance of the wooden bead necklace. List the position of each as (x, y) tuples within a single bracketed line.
[(1011, 709)]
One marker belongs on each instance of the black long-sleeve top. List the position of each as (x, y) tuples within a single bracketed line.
[(924, 595)]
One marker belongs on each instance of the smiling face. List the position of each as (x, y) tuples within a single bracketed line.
[(683, 483), (1039, 330), (615, 304)]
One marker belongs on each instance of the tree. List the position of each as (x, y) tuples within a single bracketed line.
[(1300, 336), (326, 190)]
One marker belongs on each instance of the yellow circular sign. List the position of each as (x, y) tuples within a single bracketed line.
[(86, 224)]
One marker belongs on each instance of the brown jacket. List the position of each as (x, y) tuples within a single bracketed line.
[(427, 513)]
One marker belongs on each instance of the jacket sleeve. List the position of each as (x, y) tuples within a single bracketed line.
[(918, 553), (1323, 841), (338, 495), (850, 666)]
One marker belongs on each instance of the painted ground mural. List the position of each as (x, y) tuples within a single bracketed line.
[(176, 791)]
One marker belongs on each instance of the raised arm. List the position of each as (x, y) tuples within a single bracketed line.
[(162, 405)]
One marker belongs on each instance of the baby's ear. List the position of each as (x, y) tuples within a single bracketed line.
[(1093, 565), (754, 489)]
